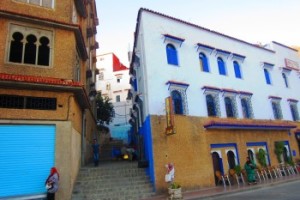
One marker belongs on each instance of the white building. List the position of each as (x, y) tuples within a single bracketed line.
[(227, 94), (113, 82)]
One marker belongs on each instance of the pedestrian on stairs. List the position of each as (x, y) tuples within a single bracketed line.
[(95, 148)]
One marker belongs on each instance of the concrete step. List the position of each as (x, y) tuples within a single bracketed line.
[(112, 181)]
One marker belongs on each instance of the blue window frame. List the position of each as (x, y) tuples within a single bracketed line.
[(203, 62), (211, 106), (171, 54), (276, 110), (237, 69), (221, 65), (245, 109), (294, 112), (285, 80), (267, 76), (177, 102), (229, 107)]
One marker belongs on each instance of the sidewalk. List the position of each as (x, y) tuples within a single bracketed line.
[(220, 190)]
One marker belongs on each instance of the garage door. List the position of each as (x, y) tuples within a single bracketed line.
[(26, 155)]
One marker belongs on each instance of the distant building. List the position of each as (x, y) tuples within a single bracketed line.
[(113, 82), (47, 85), (205, 101)]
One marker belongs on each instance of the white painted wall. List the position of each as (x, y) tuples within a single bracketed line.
[(154, 71)]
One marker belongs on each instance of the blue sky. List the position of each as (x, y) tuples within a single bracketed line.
[(255, 21)]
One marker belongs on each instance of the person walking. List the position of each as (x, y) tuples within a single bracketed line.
[(52, 183), (95, 148), (250, 170)]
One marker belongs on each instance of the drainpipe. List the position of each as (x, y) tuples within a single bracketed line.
[(83, 133)]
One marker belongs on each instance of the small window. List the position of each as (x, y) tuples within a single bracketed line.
[(171, 54), (221, 65), (237, 69), (118, 80), (211, 106), (294, 111), (267, 76), (43, 3), (118, 98), (229, 107), (246, 108), (285, 79), (177, 102), (276, 110), (203, 62)]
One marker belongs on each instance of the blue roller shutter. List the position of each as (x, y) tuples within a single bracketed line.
[(27, 153)]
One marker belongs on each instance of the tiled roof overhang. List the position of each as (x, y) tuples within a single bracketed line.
[(253, 125), (11, 81)]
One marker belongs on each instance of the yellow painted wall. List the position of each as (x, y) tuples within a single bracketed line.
[(190, 151)]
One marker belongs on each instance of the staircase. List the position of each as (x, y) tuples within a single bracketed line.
[(114, 180)]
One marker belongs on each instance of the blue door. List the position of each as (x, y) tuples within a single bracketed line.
[(27, 153)]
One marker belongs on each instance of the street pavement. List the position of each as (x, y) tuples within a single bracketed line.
[(283, 188)]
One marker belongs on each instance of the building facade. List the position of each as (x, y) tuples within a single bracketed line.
[(113, 83), (205, 101), (47, 83)]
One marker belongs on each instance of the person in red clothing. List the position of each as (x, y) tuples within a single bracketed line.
[(52, 183)]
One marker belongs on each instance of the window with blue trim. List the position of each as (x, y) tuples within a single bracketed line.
[(177, 102), (229, 107), (285, 79), (203, 62), (211, 106), (294, 111), (237, 69), (267, 76), (171, 54), (276, 110), (221, 65), (246, 108)]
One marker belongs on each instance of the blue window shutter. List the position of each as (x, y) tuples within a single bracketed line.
[(267, 76), (135, 85), (171, 55), (237, 70), (204, 63), (221, 66)]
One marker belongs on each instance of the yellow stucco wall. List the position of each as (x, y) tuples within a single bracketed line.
[(61, 12), (190, 151), (62, 59)]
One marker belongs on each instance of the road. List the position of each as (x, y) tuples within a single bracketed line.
[(285, 191)]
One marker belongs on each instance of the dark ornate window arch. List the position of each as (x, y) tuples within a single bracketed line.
[(211, 106), (177, 102), (229, 107)]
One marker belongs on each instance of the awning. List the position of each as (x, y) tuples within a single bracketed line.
[(248, 125)]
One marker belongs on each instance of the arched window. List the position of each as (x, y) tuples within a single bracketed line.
[(221, 66), (44, 51), (30, 49), (16, 48), (171, 54), (245, 108), (211, 107), (229, 107), (237, 69), (231, 159), (276, 110), (267, 76), (203, 62), (177, 102), (294, 112), (285, 80)]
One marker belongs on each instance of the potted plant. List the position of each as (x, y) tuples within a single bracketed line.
[(261, 157), (279, 148), (175, 191)]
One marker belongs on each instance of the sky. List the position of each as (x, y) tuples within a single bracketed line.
[(254, 21)]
